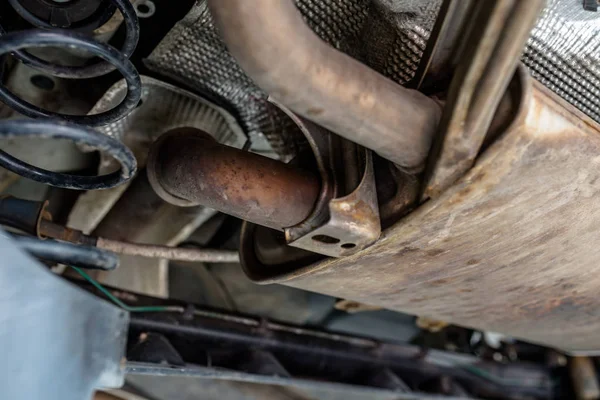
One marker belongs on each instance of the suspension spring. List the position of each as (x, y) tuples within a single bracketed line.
[(78, 128)]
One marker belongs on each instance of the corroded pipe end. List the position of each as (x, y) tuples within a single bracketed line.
[(187, 167), (157, 156)]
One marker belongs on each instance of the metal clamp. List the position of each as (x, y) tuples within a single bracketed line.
[(346, 216)]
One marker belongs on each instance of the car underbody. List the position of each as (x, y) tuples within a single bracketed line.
[(300, 199)]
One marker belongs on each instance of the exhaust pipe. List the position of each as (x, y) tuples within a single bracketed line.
[(283, 56)]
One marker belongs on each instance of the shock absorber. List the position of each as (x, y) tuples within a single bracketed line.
[(78, 128)]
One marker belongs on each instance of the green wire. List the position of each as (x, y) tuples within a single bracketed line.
[(115, 300), (471, 368)]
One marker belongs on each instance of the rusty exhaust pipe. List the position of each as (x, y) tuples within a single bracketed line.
[(187, 167), (285, 58)]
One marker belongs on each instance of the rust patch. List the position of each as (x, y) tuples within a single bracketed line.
[(440, 282), (545, 308), (313, 112), (435, 252), (406, 250), (191, 165), (359, 211), (481, 175), (522, 248), (419, 299)]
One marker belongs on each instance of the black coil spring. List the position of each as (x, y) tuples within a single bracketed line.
[(78, 128), (74, 127)]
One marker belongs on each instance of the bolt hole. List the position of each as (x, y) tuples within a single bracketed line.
[(42, 82), (325, 239), (145, 9), (348, 245)]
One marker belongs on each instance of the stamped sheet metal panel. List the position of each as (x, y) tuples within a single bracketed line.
[(57, 341), (513, 247)]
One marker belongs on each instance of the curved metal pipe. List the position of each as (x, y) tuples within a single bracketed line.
[(189, 167), (290, 62)]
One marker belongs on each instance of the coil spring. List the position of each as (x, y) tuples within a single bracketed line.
[(77, 128), (47, 124)]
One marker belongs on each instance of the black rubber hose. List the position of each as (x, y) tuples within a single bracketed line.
[(23, 215), (79, 135), (64, 38), (68, 253), (132, 36)]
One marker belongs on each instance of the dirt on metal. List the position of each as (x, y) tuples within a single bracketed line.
[(187, 165), (511, 247)]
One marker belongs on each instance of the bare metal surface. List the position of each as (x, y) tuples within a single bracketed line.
[(188, 166), (510, 248), (169, 253), (323, 84), (494, 41)]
